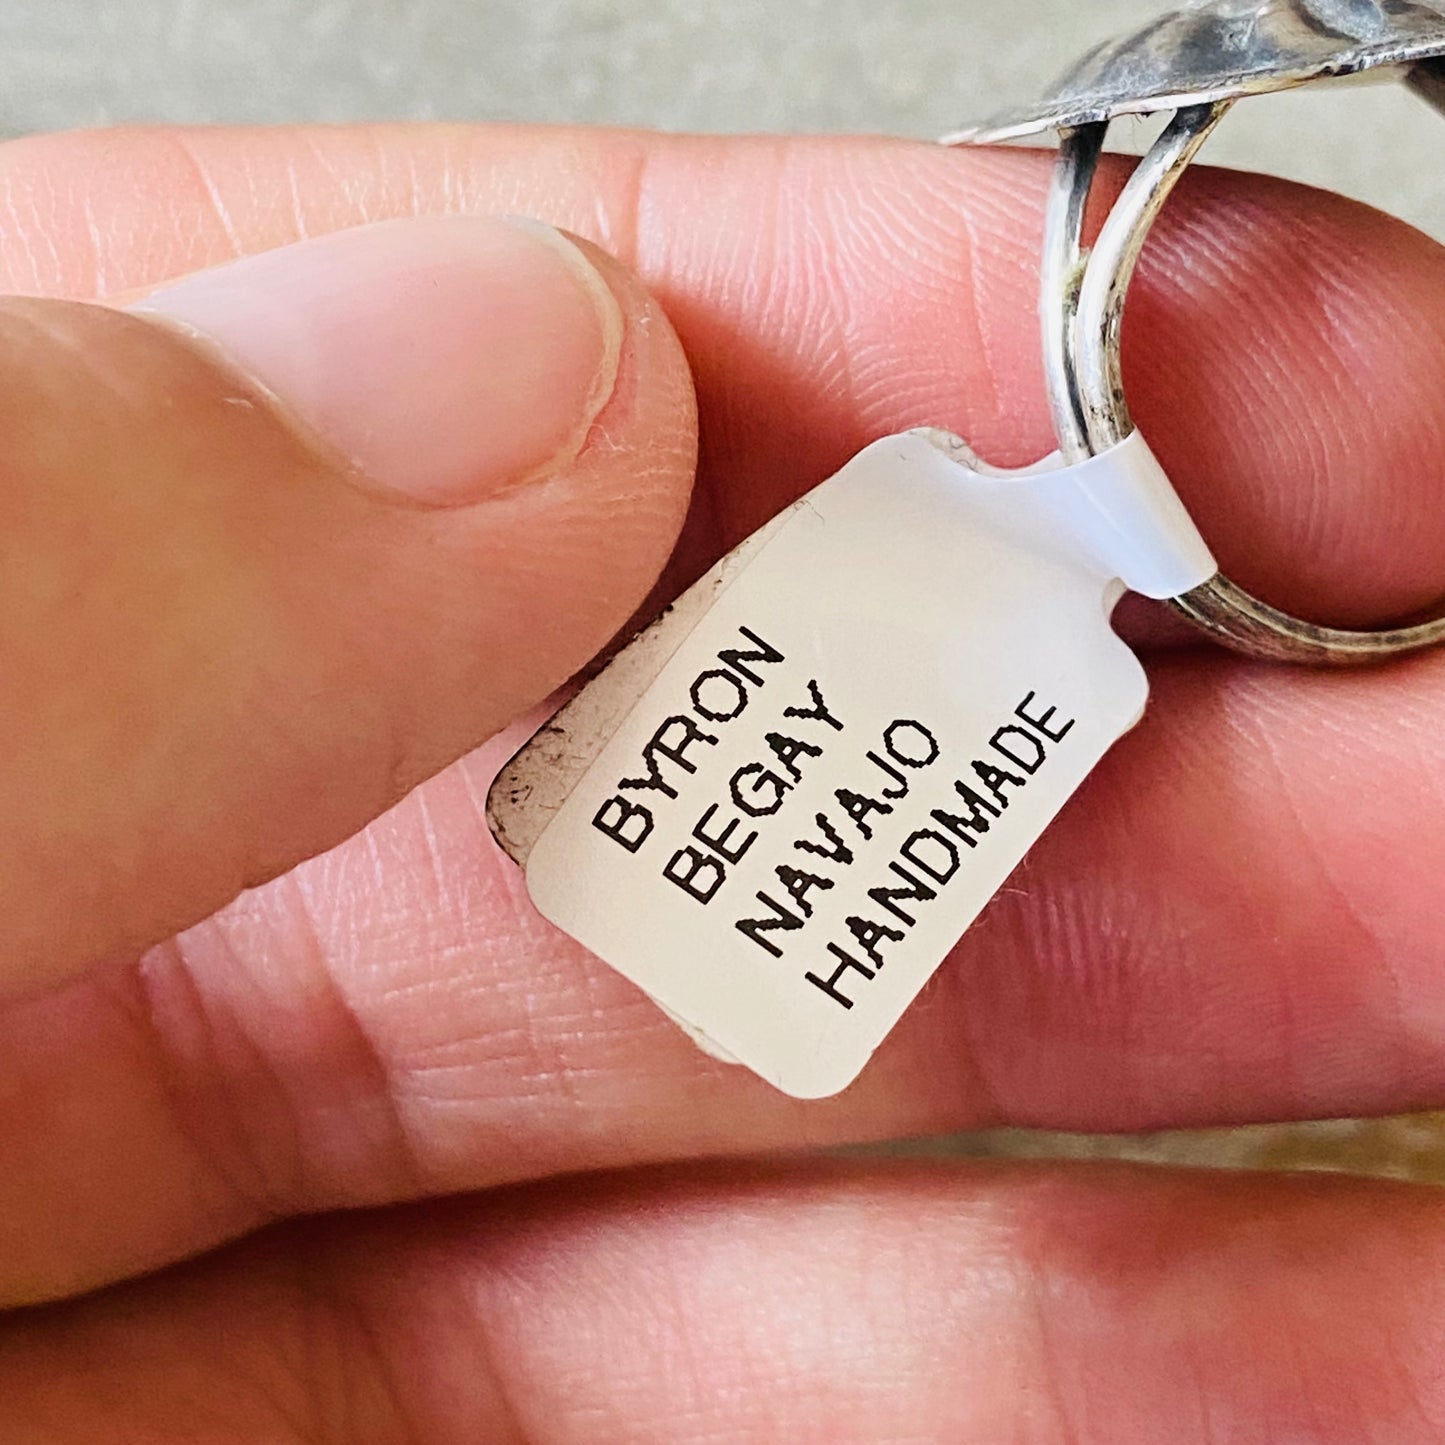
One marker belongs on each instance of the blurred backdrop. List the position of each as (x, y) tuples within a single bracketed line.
[(915, 67)]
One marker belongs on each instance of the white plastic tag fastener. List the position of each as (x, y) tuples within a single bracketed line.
[(781, 806), (1118, 508)]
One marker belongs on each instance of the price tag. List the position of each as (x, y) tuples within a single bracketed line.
[(778, 810)]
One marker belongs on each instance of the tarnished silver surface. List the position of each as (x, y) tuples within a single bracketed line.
[(1083, 300), (1195, 63), (1216, 50)]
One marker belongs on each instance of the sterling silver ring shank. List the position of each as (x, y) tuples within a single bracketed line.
[(1083, 300), (1083, 310)]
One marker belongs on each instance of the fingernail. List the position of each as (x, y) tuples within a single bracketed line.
[(446, 359)]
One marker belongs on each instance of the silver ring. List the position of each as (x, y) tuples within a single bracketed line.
[(1196, 63)]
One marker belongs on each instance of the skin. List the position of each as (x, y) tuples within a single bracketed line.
[(1235, 920)]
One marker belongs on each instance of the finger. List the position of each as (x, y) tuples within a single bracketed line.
[(393, 1021), (832, 1303), (1285, 355), (292, 539)]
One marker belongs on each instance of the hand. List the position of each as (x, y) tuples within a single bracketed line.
[(281, 547)]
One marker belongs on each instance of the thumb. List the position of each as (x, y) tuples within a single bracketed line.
[(293, 535)]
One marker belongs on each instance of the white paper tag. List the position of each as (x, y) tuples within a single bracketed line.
[(779, 809)]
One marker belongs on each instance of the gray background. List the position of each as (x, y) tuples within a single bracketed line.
[(916, 67)]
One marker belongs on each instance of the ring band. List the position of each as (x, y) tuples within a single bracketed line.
[(1084, 294)]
